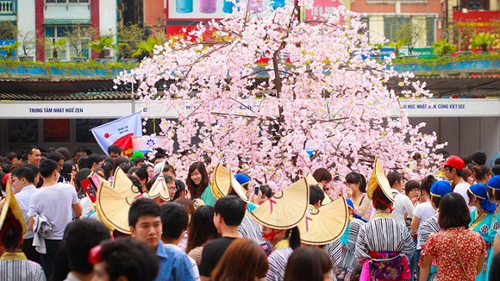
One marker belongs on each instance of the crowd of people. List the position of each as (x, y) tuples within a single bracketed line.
[(224, 227)]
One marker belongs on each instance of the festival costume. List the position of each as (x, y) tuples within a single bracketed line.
[(384, 246), (494, 183)]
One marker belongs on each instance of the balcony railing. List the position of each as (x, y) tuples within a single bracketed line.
[(7, 7)]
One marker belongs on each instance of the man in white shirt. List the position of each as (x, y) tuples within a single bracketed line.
[(23, 178), (453, 171), (403, 208), (54, 201)]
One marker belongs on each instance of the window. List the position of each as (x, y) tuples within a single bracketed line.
[(76, 37), (66, 1), (475, 4), (393, 26), (430, 26)]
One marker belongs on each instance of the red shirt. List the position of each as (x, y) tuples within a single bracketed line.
[(470, 246)]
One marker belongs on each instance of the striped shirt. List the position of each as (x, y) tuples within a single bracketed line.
[(251, 230), (343, 256), (383, 235), (277, 264), (15, 267), (428, 227)]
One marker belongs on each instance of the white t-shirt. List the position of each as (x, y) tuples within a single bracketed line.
[(23, 199), (461, 189), (423, 211), (55, 203), (401, 204)]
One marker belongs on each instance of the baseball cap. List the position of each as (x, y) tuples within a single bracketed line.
[(440, 188), (455, 162), (494, 182)]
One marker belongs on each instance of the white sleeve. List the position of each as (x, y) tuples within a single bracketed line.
[(417, 212), (33, 209), (408, 206)]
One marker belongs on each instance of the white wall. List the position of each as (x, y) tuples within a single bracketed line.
[(108, 17), (465, 135), (80, 11), (26, 22)]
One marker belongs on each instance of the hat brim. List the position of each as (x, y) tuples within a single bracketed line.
[(286, 208), (10, 205), (159, 189), (326, 224), (311, 180), (223, 181), (379, 180)]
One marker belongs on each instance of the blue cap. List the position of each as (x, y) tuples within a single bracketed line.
[(242, 178), (350, 203), (479, 190), (440, 188), (494, 182)]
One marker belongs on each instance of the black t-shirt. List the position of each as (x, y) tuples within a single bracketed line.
[(212, 253)]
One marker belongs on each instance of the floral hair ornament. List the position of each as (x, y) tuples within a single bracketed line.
[(378, 180), (325, 224), (113, 202), (311, 180), (95, 255), (224, 181), (286, 208)]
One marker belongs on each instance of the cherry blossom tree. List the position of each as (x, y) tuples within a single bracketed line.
[(276, 97)]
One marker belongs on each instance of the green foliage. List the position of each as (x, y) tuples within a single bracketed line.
[(100, 45), (447, 59), (147, 47), (443, 47), (8, 30), (398, 44), (56, 46), (128, 36), (482, 40), (9, 48)]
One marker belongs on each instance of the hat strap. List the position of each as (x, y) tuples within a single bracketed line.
[(270, 236), (381, 201)]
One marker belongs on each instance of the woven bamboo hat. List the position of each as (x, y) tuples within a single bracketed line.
[(379, 180), (311, 180), (326, 224), (224, 181), (286, 208), (113, 201), (159, 189), (11, 211)]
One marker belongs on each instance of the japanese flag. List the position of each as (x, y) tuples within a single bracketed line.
[(119, 132)]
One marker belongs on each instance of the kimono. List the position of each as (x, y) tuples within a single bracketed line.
[(384, 246), (341, 251), (494, 229), (482, 224)]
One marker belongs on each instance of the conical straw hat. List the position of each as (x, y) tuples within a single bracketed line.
[(113, 202), (324, 225), (286, 208), (160, 189), (311, 180), (10, 206), (223, 181), (379, 180)]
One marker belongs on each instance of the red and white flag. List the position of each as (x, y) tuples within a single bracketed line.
[(119, 132)]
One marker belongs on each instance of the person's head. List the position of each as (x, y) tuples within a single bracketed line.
[(453, 212), (322, 176), (139, 161), (309, 263), (11, 235), (48, 169), (169, 170), (316, 195), (64, 152), (228, 212), (149, 169), (412, 189), (80, 236), (58, 158), (33, 155), (180, 189), (82, 151), (202, 228), (175, 221), (120, 161), (142, 176), (188, 206), (114, 151), (144, 218), (12, 156), (426, 184), (438, 190), (496, 170), (494, 188), (197, 179), (68, 171), (478, 197), (159, 157), (233, 266), (479, 158), (276, 235), (36, 172), (395, 180), (125, 167), (124, 259), (94, 161), (21, 177), (267, 193), (380, 201), (481, 173), (100, 172), (453, 168), (171, 187), (82, 162), (82, 175), (356, 182), (107, 167), (243, 179)]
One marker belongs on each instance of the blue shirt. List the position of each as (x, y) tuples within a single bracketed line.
[(174, 265)]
